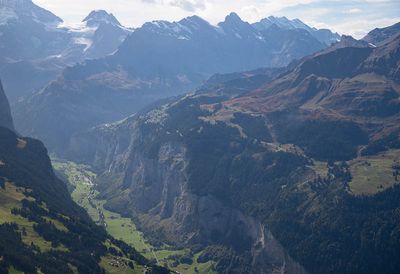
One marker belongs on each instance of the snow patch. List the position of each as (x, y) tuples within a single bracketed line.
[(83, 41)]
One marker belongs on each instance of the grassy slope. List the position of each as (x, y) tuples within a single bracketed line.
[(11, 197), (370, 174), (12, 270), (121, 228), (374, 173)]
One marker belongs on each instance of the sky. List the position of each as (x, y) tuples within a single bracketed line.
[(352, 17)]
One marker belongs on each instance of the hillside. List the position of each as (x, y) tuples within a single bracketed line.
[(298, 174), (42, 229)]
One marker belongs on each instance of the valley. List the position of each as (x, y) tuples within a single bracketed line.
[(183, 145), (84, 193), (42, 230)]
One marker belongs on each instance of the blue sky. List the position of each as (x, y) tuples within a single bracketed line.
[(354, 17)]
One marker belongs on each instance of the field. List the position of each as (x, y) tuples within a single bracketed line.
[(373, 174), (84, 194)]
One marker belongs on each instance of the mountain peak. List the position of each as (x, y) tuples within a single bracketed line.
[(323, 35), (96, 17), (281, 22), (194, 22), (16, 4), (233, 17), (196, 19), (349, 41), (234, 22), (17, 9)]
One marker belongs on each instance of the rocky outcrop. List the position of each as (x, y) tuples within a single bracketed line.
[(5, 113)]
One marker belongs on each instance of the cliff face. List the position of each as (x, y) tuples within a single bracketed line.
[(155, 191), (5, 113), (153, 185)]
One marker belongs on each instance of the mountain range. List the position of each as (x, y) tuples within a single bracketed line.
[(158, 60), (271, 147), (289, 171), (36, 45)]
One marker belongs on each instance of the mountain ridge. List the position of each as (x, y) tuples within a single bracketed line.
[(158, 60), (37, 45)]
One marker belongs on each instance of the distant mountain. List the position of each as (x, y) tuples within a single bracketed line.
[(379, 35), (323, 35), (297, 173), (98, 17), (28, 31), (5, 113), (41, 228), (158, 60), (107, 36), (35, 46), (209, 49), (98, 35)]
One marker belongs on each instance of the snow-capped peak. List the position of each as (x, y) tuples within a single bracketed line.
[(26, 10), (234, 25), (194, 22), (281, 22), (16, 4), (97, 17)]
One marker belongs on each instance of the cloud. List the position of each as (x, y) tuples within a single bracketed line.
[(189, 5), (353, 11), (186, 5)]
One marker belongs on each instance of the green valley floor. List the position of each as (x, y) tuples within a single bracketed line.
[(81, 181)]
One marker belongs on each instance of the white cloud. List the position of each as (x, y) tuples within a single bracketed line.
[(357, 28), (353, 11), (187, 5)]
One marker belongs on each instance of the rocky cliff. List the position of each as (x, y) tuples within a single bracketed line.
[(5, 113), (155, 191)]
